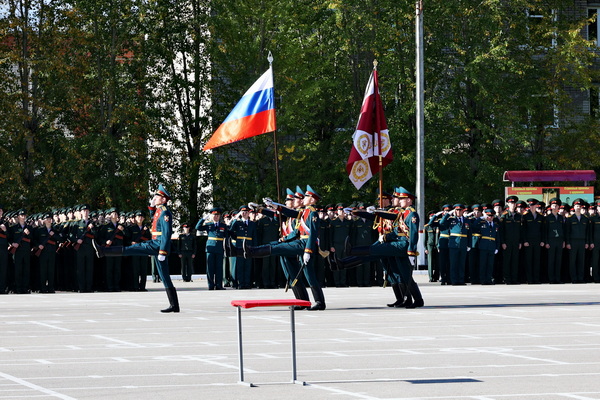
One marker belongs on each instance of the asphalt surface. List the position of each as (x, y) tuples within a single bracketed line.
[(468, 342)]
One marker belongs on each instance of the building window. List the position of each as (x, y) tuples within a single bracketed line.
[(595, 101), (592, 29)]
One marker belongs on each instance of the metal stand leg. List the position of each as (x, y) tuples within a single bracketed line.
[(293, 330), (240, 350)]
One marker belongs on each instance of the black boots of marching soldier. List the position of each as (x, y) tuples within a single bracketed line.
[(114, 251), (173, 300), (246, 250)]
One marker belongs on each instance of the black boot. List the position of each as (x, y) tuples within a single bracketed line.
[(416, 294), (319, 298), (347, 263), (113, 251), (399, 296), (231, 250), (173, 300), (356, 251), (300, 293), (406, 295), (256, 251)]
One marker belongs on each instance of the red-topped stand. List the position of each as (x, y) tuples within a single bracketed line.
[(291, 303)]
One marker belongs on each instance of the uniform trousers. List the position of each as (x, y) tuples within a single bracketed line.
[(151, 248)]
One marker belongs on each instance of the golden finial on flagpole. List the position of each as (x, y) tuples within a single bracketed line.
[(375, 64)]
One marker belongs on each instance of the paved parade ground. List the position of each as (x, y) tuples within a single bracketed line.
[(468, 342)]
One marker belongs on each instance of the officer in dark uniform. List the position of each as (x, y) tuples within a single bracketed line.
[(510, 228), (533, 228), (217, 232), (488, 243), (112, 233), (431, 251), (83, 233), (139, 233), (361, 234), (20, 236), (339, 230), (242, 229), (186, 247), (458, 243), (554, 237), (473, 254), (595, 242), (159, 246), (46, 242), (577, 238), (267, 229), (3, 253)]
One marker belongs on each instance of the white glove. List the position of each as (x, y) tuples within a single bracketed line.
[(253, 205), (439, 213), (162, 257), (413, 261), (468, 249), (381, 238), (496, 251), (371, 209), (268, 202), (306, 258)]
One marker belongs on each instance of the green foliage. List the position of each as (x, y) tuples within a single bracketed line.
[(110, 98)]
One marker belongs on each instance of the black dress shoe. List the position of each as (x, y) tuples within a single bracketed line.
[(395, 304), (317, 307), (416, 304)]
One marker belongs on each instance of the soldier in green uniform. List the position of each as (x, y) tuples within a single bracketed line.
[(431, 241), (242, 229), (488, 243), (217, 233), (533, 227), (305, 245), (577, 238), (20, 235), (459, 242), (45, 239), (595, 242), (3, 253), (112, 233), (510, 228), (339, 231), (186, 247), (139, 233), (361, 234), (473, 254), (83, 233), (267, 228), (554, 237)]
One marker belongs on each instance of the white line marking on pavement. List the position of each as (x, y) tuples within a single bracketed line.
[(119, 341), (35, 387), (345, 392), (50, 326), (44, 361)]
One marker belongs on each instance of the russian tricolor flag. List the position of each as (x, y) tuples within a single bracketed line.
[(253, 115)]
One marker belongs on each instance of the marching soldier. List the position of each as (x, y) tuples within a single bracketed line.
[(159, 246), (306, 246), (217, 233)]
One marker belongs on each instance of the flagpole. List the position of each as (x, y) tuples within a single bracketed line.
[(420, 107), (380, 156), (270, 59)]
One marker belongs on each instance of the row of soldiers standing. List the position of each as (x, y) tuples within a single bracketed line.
[(514, 242), (57, 247)]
